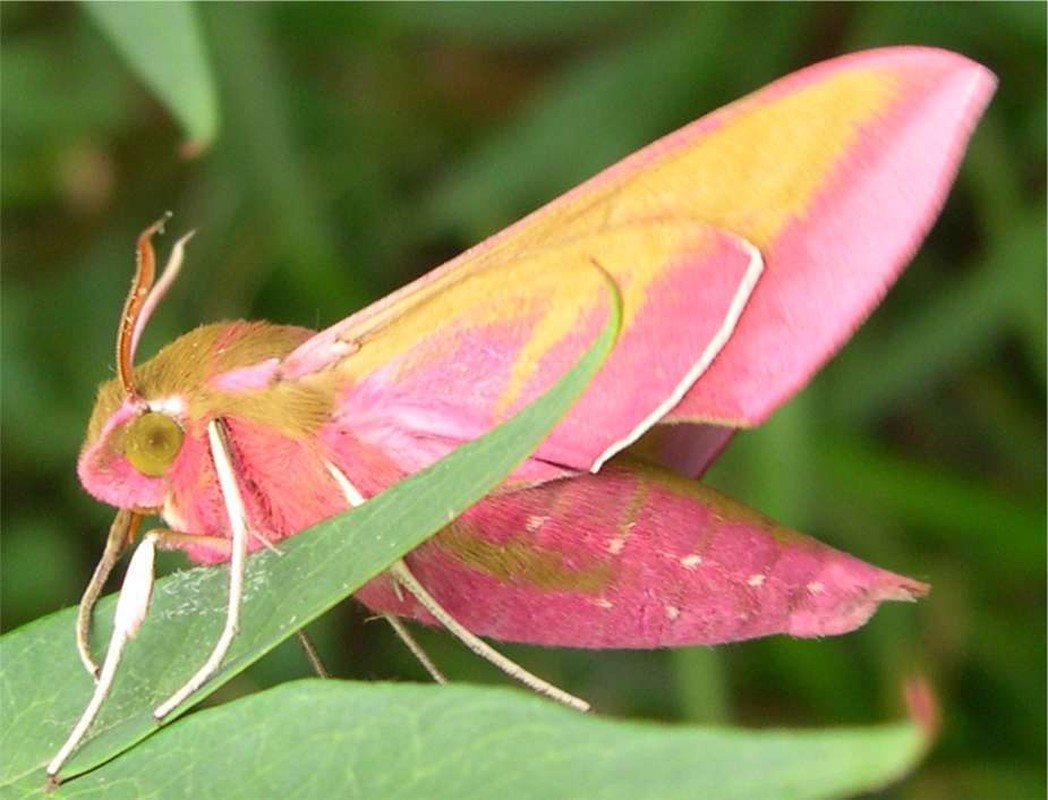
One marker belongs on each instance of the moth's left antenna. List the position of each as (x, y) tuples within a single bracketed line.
[(145, 270)]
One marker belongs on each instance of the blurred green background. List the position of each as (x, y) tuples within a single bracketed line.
[(359, 145)]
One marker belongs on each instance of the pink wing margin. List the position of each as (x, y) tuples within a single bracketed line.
[(831, 265)]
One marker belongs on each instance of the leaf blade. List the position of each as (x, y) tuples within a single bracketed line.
[(326, 738)]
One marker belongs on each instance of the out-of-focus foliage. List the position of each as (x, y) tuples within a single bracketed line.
[(162, 44), (361, 145)]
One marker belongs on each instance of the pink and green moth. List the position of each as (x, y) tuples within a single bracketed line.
[(746, 248)]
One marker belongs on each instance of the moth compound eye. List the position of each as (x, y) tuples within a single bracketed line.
[(152, 442)]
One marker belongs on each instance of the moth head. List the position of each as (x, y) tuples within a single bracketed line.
[(148, 430), (133, 442), (131, 450)]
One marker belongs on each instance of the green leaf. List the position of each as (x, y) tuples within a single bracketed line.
[(161, 43), (337, 739), (43, 687)]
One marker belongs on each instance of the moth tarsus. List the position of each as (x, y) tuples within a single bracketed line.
[(130, 610), (403, 575), (312, 655), (400, 629)]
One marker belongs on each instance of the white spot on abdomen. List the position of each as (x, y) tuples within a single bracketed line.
[(755, 580), (692, 561), (535, 521)]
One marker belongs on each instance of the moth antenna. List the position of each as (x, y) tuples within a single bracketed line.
[(131, 609), (235, 511), (121, 534), (157, 293), (145, 270)]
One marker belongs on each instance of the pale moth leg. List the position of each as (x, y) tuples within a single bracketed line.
[(167, 539), (131, 608), (355, 498), (238, 525), (312, 654), (416, 649), (402, 575), (121, 534), (176, 540)]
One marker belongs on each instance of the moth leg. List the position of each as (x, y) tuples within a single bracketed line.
[(402, 574), (131, 608), (168, 539), (355, 498), (312, 654), (121, 534), (272, 548), (416, 649), (238, 524)]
